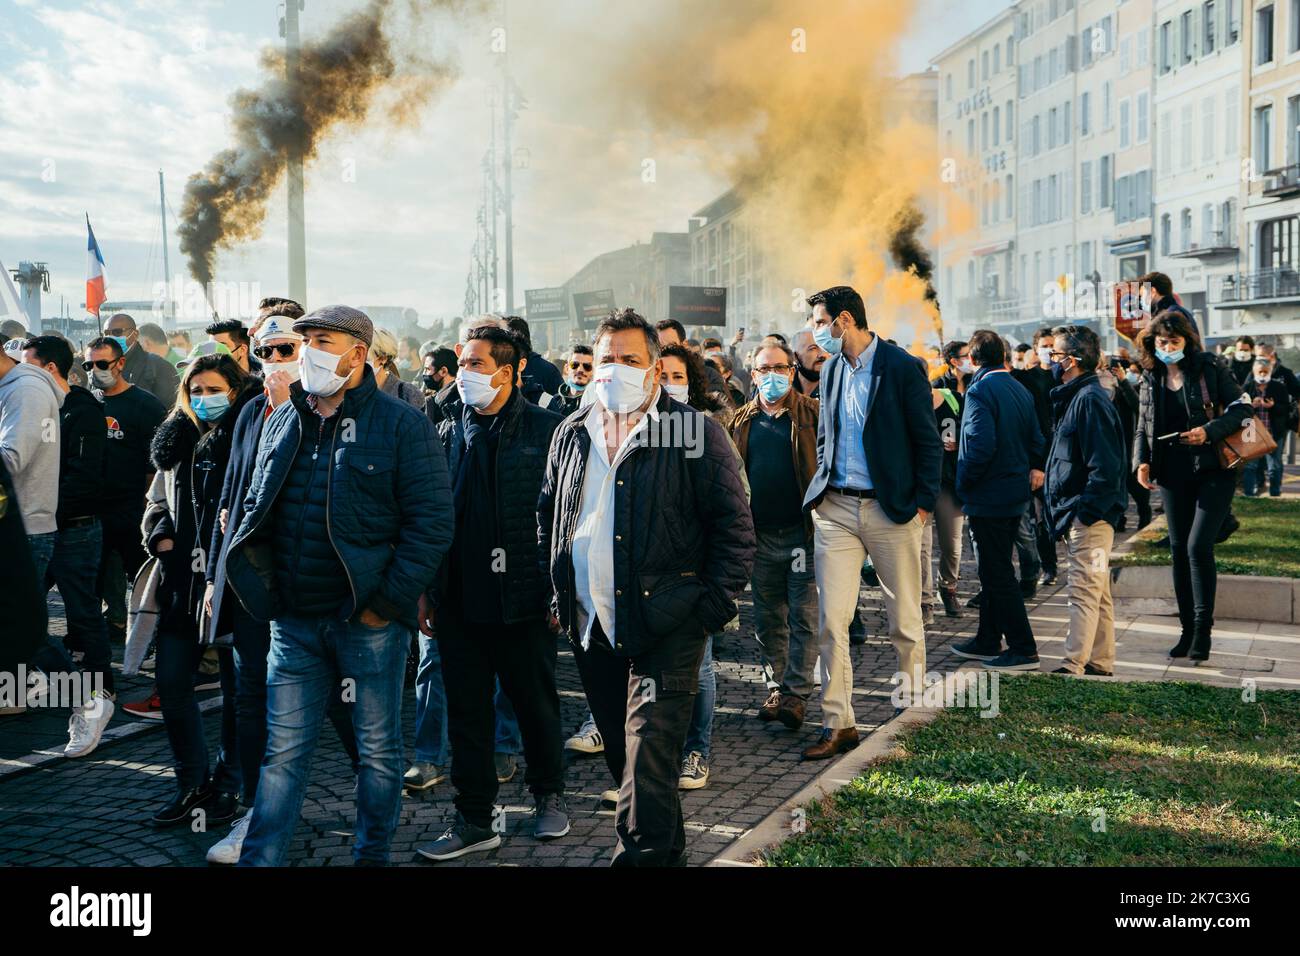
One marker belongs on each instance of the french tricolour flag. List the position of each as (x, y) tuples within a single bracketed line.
[(96, 279)]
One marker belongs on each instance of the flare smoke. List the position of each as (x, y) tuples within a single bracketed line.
[(337, 83)]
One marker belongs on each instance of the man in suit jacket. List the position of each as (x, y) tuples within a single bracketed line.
[(877, 479)]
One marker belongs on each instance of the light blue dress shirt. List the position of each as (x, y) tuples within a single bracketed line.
[(849, 468)]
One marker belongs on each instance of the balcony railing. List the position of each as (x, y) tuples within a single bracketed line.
[(1266, 285), (1213, 244), (975, 308), (1282, 182)]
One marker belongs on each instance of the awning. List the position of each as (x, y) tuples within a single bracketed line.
[(993, 249), (1125, 247)]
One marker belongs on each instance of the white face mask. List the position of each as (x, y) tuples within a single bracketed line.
[(679, 392), (620, 388), (476, 389), (1018, 363), (289, 369), (1045, 356), (317, 369), (1262, 377), (966, 367)]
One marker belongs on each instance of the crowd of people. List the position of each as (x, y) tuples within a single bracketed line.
[(288, 511)]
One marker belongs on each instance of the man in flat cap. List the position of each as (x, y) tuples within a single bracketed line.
[(346, 520)]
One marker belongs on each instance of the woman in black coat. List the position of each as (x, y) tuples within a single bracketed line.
[(1174, 451), (191, 450)]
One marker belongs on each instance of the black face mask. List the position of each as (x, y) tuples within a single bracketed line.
[(812, 374), (430, 382)]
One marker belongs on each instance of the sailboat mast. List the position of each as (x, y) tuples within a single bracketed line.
[(167, 272)]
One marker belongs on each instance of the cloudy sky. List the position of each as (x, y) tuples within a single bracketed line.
[(96, 97)]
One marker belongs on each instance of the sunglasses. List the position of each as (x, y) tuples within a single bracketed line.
[(283, 349), (102, 364), (120, 332), (585, 366)]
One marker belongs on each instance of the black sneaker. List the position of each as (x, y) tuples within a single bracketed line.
[(224, 806), (976, 600), (460, 839), (1064, 670), (178, 809), (552, 818), (972, 651), (1094, 671), (1028, 588), (1007, 661), (869, 576)]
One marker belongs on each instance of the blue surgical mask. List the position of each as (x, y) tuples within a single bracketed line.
[(773, 386), (121, 340), (210, 407), (574, 386), (826, 341), (1169, 358)]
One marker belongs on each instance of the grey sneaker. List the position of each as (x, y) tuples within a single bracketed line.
[(552, 817), (506, 767), (459, 839), (927, 614), (695, 772), (422, 776)]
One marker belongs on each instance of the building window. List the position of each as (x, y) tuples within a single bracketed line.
[(1009, 194), (1034, 136), (1231, 100), (1107, 120), (1166, 141), (1125, 56), (1293, 129), (1264, 35), (1011, 51), (1124, 136), (1010, 121), (1106, 179), (1207, 130), (1189, 40), (947, 87), (1207, 226), (997, 124), (970, 135), (1051, 128), (1208, 24), (1263, 137), (1143, 117), (984, 65), (1166, 50), (1066, 124), (984, 130), (1232, 22), (997, 58), (1185, 230), (1085, 113), (1228, 222), (970, 74), (1293, 42), (1185, 158), (1277, 243), (1166, 229), (1085, 188), (1143, 47)]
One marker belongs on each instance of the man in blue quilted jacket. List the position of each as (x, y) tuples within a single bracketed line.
[(345, 522)]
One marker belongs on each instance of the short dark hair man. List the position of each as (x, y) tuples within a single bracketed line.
[(232, 334), (1086, 496), (577, 376), (152, 373), (78, 546), (877, 481), (132, 415), (538, 376), (776, 435), (350, 486), (649, 536), (1164, 300), (492, 606), (810, 357), (1000, 438)]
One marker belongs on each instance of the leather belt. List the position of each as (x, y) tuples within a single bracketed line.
[(854, 492), (78, 522)]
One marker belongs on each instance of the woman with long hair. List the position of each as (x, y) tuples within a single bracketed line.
[(1187, 402), (190, 451)]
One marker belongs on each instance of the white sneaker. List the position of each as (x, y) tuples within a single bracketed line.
[(86, 725), (695, 772), (587, 740), (228, 850)]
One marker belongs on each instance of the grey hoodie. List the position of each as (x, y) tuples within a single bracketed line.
[(29, 443)]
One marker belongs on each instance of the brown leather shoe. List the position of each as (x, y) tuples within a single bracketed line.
[(832, 743), (791, 712), (770, 706)]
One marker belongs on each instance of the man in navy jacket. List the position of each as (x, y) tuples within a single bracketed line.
[(346, 520), (1086, 496), (877, 479), (1000, 438)]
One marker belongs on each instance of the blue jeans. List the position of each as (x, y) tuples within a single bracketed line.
[(75, 568), (49, 657), (699, 736), (509, 740), (309, 657), (1252, 478), (432, 743)]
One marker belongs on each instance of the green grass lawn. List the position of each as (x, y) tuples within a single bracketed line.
[(1186, 775), (1267, 544)]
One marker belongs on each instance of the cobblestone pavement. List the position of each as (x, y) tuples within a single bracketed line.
[(94, 811)]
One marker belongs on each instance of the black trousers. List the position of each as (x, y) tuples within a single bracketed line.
[(1043, 534), (645, 702), (1002, 610), (523, 657), (1195, 508)]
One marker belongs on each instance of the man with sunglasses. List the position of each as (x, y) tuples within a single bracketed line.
[(150, 372), (132, 414), (577, 376)]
